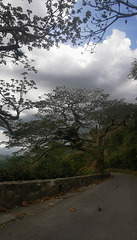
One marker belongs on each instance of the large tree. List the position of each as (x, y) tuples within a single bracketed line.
[(76, 118)]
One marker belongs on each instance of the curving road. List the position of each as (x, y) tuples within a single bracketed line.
[(107, 211)]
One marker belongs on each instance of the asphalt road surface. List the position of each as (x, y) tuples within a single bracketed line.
[(107, 211)]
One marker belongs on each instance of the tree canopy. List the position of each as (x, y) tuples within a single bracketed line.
[(76, 118)]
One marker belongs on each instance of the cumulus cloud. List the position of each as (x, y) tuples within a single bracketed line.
[(107, 68)]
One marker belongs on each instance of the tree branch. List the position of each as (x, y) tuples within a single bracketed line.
[(8, 127), (9, 47)]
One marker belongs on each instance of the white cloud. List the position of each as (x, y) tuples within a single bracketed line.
[(106, 68)]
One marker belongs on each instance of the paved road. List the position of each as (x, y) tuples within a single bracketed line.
[(107, 211)]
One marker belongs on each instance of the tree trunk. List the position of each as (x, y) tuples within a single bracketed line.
[(99, 166)]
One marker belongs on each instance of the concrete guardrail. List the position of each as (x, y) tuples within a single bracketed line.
[(15, 192)]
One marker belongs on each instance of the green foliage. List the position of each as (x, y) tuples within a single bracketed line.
[(124, 158), (62, 163), (78, 160), (16, 168), (52, 168), (121, 150)]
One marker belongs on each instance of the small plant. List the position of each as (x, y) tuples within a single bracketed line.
[(82, 171)]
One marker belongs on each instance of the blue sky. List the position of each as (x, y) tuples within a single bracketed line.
[(107, 68)]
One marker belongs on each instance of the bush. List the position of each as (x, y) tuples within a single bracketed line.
[(124, 158)]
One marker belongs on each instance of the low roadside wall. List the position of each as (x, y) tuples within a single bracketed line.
[(15, 192)]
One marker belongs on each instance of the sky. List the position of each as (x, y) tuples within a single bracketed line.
[(107, 68)]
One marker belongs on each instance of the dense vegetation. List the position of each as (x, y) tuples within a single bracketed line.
[(61, 163), (120, 153), (122, 147)]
